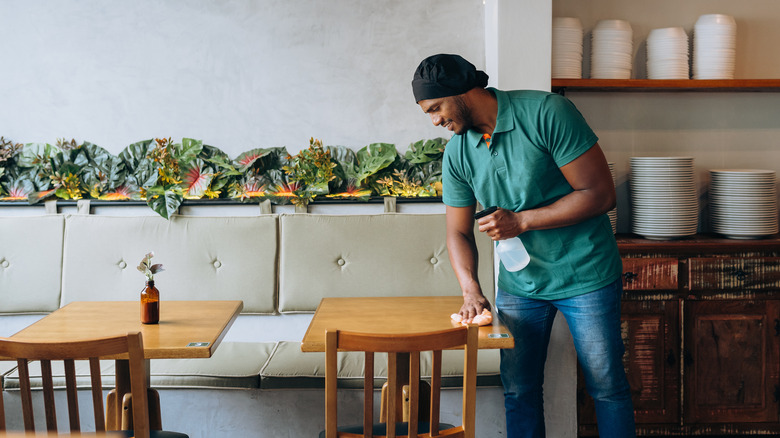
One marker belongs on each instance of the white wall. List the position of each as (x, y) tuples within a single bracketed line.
[(238, 74)]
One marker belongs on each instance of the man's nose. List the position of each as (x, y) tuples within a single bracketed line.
[(436, 119)]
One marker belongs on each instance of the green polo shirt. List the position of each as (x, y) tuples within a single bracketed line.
[(536, 133)]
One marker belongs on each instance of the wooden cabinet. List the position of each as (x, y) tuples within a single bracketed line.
[(731, 361), (701, 326)]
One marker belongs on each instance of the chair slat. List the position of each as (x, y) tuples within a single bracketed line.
[(392, 393), (368, 395), (414, 392), (331, 380), (50, 409), (71, 395), (26, 395), (2, 411), (435, 392), (470, 384), (97, 394), (138, 386)]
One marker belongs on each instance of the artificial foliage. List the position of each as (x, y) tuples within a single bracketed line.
[(164, 173)]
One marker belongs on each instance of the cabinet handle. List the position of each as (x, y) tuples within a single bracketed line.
[(629, 276), (670, 359), (740, 274), (777, 393), (777, 327), (687, 357)]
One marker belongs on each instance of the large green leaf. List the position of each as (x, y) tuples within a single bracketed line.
[(141, 171), (104, 171), (136, 154), (373, 158), (262, 160), (425, 151), (36, 197), (164, 201), (188, 151), (18, 188), (196, 180), (36, 155), (248, 158)]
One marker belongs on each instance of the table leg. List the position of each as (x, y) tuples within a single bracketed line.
[(119, 401), (425, 403), (402, 400)]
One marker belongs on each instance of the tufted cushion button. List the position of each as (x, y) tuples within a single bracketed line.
[(342, 262), (5, 264), (217, 264), (122, 264), (434, 260)]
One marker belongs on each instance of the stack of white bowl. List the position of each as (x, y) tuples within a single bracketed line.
[(613, 213), (665, 204), (667, 54), (714, 47), (612, 50), (566, 48), (743, 203)]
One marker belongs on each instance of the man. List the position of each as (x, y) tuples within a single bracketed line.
[(532, 154)]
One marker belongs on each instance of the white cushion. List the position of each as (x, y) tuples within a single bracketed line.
[(205, 258), (30, 263), (368, 255)]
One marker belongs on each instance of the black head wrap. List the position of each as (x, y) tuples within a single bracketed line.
[(446, 75)]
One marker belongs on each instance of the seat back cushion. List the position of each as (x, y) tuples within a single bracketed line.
[(205, 258), (368, 255), (30, 263)]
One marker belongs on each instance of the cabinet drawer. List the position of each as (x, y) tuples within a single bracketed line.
[(649, 273), (724, 273)]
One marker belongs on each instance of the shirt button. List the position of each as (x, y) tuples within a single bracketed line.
[(495, 153)]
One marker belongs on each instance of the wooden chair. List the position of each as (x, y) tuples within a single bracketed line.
[(67, 352), (396, 346)]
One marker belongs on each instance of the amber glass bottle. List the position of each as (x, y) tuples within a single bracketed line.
[(150, 304)]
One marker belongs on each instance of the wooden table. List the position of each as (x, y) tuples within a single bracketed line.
[(401, 315), (187, 329)]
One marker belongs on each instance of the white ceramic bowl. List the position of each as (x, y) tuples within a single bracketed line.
[(713, 19)]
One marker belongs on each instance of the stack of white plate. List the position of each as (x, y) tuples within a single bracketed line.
[(743, 203), (665, 204), (613, 213), (612, 50), (566, 48), (714, 47), (667, 53)]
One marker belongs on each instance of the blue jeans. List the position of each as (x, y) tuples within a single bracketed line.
[(594, 322)]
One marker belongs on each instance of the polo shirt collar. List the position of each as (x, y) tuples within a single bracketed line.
[(505, 120)]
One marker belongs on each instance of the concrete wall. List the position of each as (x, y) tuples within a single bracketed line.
[(238, 74)]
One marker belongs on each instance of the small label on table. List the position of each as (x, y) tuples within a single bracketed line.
[(498, 335), (198, 344)]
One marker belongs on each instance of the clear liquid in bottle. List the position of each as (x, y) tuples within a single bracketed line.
[(513, 254)]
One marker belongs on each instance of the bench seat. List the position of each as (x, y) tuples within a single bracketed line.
[(290, 368), (234, 365)]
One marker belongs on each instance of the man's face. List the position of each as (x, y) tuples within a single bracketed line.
[(449, 112)]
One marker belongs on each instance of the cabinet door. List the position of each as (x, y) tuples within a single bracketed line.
[(731, 367), (650, 331)]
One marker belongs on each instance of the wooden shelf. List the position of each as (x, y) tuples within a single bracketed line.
[(699, 243), (675, 85)]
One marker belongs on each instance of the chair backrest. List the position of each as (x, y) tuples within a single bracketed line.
[(399, 345), (130, 345)]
